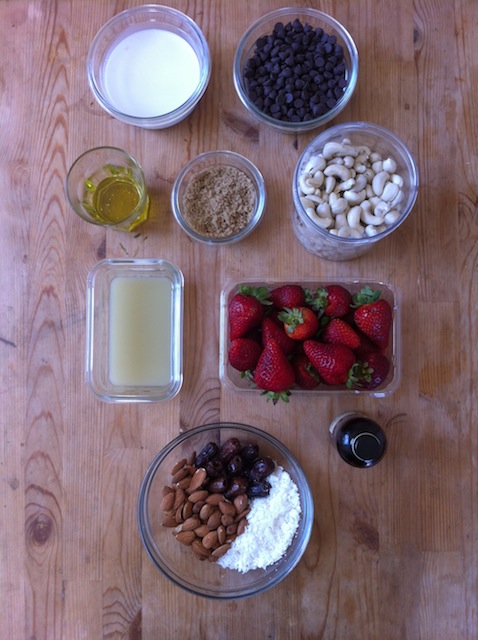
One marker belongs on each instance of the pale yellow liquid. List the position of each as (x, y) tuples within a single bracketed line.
[(140, 331)]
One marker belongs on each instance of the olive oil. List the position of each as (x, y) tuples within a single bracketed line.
[(114, 196), (115, 199)]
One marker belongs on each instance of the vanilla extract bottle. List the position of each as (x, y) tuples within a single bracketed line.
[(360, 440)]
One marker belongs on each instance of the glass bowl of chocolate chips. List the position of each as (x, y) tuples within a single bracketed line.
[(225, 511), (295, 69)]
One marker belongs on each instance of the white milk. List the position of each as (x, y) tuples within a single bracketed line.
[(150, 72), (140, 331)]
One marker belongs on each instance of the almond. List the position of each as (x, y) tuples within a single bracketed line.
[(241, 502), (214, 520), (231, 529), (184, 483), (180, 475), (197, 506), (220, 551), (226, 520), (202, 530), (198, 479), (206, 511), (168, 501), (215, 498), (227, 508), (187, 510), (221, 534), (179, 465), (210, 540), (190, 524), (180, 498), (186, 537), (196, 496), (169, 521), (199, 551)]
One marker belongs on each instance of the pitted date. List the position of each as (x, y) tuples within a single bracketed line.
[(237, 487), (229, 449), (214, 468), (218, 485), (208, 452), (261, 468), (235, 465), (258, 489), (249, 452)]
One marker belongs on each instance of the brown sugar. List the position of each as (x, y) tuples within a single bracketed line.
[(219, 202)]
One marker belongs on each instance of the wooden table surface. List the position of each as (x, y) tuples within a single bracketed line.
[(393, 550)]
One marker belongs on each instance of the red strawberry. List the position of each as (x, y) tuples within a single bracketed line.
[(365, 347), (373, 371), (334, 362), (246, 310), (288, 295), (373, 316), (274, 373), (244, 354), (339, 332), (333, 300), (305, 375), (300, 323), (270, 329)]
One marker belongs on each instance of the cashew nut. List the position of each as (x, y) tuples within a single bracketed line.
[(337, 171), (389, 165), (378, 182), (338, 149), (390, 191)]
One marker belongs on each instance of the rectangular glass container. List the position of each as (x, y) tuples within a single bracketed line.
[(134, 330), (232, 380)]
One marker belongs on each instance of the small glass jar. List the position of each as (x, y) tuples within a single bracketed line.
[(360, 440)]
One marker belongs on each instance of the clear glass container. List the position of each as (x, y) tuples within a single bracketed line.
[(176, 561), (211, 160), (320, 241), (144, 88), (134, 330), (263, 27)]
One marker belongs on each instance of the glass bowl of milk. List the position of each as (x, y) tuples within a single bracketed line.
[(149, 66), (134, 330)]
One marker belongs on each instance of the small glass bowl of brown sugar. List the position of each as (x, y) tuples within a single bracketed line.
[(219, 197)]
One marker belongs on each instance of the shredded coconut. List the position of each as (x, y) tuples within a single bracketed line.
[(271, 525)]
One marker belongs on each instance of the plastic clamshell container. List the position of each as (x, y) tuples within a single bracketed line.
[(134, 330), (231, 378)]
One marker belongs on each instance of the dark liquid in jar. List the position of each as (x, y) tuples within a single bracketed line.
[(360, 441)]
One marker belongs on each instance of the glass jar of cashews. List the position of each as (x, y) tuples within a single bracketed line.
[(353, 185)]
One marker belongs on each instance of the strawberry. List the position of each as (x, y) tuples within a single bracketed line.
[(333, 362), (338, 331), (373, 371), (305, 375), (373, 316), (244, 354), (274, 373), (300, 323), (288, 295), (270, 329), (246, 310), (333, 300)]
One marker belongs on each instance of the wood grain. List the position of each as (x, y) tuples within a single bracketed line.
[(393, 551)]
